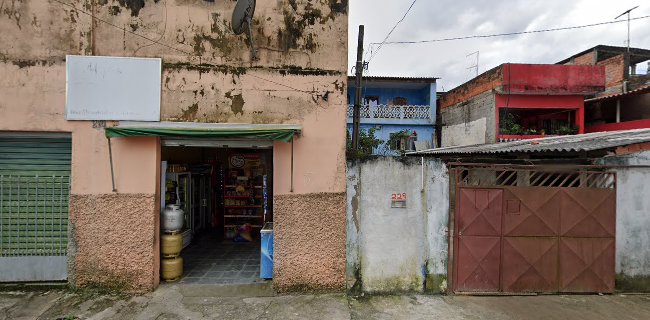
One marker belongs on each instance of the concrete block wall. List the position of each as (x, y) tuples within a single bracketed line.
[(397, 249), (470, 122), (632, 222)]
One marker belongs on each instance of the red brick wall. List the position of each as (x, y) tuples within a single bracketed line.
[(614, 70), (484, 82), (585, 59)]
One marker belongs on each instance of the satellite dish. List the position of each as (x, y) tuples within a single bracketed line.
[(242, 20)]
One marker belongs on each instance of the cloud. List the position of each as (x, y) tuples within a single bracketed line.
[(447, 18)]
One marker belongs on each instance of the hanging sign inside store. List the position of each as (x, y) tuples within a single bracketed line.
[(237, 161), (112, 88), (398, 200)]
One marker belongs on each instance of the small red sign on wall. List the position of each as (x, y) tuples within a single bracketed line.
[(398, 200)]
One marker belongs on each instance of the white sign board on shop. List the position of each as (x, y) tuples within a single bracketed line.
[(112, 88)]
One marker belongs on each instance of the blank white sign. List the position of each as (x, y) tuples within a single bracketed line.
[(112, 88)]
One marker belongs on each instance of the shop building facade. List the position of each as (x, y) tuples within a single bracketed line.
[(112, 217)]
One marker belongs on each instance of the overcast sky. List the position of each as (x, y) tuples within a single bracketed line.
[(434, 19)]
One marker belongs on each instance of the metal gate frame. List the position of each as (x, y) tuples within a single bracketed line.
[(34, 207), (504, 176)]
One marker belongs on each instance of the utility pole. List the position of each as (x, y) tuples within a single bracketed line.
[(627, 54), (356, 118)]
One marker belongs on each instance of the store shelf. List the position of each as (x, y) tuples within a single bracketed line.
[(239, 225), (242, 216), (242, 197), (242, 207), (246, 187)]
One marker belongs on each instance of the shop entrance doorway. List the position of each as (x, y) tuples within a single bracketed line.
[(225, 190)]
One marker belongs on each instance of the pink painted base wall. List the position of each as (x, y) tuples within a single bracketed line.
[(112, 240)]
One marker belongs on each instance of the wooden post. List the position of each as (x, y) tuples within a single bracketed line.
[(356, 118)]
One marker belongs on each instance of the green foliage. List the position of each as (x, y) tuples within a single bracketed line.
[(367, 143), (567, 129), (395, 140), (509, 124)]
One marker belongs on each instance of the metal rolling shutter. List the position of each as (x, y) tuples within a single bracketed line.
[(34, 197)]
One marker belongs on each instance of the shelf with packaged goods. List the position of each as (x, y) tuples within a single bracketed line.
[(246, 187), (243, 207), (236, 226), (242, 197), (243, 216)]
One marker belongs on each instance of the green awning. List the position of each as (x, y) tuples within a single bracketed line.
[(219, 131)]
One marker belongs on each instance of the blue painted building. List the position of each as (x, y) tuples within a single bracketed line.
[(403, 107)]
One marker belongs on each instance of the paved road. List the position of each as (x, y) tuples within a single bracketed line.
[(195, 302)]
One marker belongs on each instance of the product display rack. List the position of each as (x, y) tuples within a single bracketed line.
[(243, 204)]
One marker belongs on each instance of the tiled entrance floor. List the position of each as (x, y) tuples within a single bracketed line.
[(212, 260)]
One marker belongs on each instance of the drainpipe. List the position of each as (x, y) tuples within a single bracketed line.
[(422, 174), (618, 109), (110, 158)]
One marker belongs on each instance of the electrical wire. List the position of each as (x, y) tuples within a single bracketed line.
[(189, 54), (92, 15), (161, 36), (391, 30), (507, 33)]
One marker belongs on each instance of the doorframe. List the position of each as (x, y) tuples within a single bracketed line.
[(233, 143)]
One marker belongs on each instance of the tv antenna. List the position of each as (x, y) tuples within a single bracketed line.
[(628, 26), (242, 20), (476, 65)]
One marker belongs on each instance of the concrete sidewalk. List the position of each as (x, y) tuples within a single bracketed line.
[(208, 302)]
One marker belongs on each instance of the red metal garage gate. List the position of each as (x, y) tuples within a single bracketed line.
[(548, 237)]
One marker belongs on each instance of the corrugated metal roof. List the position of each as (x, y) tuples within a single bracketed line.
[(571, 143), (640, 90)]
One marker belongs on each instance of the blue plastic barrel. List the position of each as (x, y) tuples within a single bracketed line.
[(266, 260)]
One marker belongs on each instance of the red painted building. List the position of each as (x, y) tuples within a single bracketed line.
[(519, 101), (625, 102)]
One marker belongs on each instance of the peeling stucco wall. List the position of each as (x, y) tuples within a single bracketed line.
[(392, 250), (286, 33), (309, 242), (207, 76)]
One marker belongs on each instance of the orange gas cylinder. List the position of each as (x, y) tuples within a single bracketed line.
[(171, 269), (171, 245)]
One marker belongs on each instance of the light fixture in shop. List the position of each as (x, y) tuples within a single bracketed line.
[(210, 143)]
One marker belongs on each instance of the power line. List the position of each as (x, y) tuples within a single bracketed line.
[(189, 54), (391, 30), (505, 34), (92, 15)]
